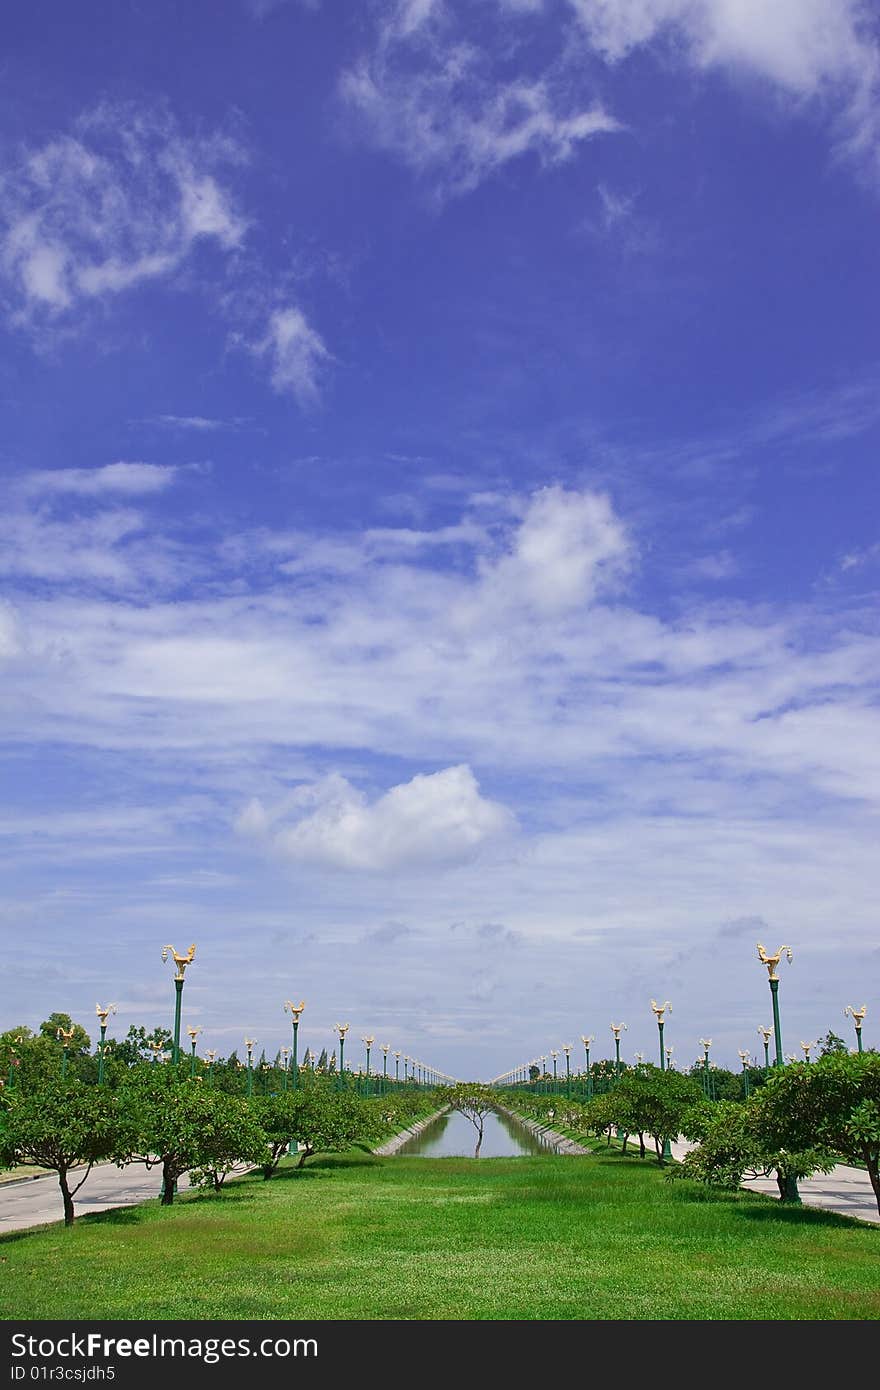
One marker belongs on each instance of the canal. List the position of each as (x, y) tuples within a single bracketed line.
[(453, 1136)]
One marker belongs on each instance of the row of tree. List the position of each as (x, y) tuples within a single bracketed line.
[(66, 1126), (806, 1118)]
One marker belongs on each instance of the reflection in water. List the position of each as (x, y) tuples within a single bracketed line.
[(453, 1136)]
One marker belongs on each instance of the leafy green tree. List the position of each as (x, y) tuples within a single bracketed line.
[(281, 1118), (735, 1145), (184, 1126), (230, 1132), (833, 1102), (330, 1121), (472, 1100), (655, 1102), (831, 1043), (64, 1126), (135, 1046)]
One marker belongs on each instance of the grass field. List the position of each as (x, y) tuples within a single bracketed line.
[(524, 1238)]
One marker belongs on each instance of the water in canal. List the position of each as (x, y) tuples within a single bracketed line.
[(453, 1136)]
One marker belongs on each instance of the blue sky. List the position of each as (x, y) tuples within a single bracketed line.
[(439, 538)]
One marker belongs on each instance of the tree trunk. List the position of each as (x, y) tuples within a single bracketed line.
[(306, 1153), (641, 1144), (788, 1188), (871, 1163), (624, 1144), (168, 1181), (65, 1196), (479, 1141)]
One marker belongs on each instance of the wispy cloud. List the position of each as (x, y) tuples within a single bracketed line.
[(811, 50), (434, 99), (121, 199), (128, 479), (296, 354)]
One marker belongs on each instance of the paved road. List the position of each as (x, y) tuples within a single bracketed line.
[(38, 1200)]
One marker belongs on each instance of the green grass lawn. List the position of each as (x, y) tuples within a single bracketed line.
[(360, 1237)]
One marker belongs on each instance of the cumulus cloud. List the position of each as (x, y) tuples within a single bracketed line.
[(437, 818), (433, 99), (121, 199), (126, 478), (568, 547), (296, 354)]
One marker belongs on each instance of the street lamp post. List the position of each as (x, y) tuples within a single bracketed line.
[(554, 1054), (543, 1072), (342, 1029), (65, 1037), (368, 1043), (211, 1058), (660, 1010), (807, 1047), (181, 962), (858, 1018), (249, 1044), (284, 1054), (295, 1010), (616, 1030), (157, 1049), (566, 1047), (771, 963), (766, 1035), (745, 1058), (386, 1048), (397, 1068), (193, 1034), (586, 1039), (705, 1044), (103, 1015)]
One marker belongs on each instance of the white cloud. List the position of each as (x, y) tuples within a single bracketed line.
[(129, 479), (121, 200), (296, 355), (434, 102), (825, 49), (82, 548), (437, 818)]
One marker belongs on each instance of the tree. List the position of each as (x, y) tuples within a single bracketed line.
[(135, 1046), (281, 1117), (655, 1102), (330, 1121), (833, 1102), (185, 1126), (831, 1043), (63, 1126), (734, 1145), (472, 1100), (230, 1132)]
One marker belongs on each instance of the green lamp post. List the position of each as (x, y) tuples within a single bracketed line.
[(660, 1010), (284, 1054), (405, 1068), (397, 1057), (554, 1054), (566, 1047), (771, 963), (295, 1011), (249, 1044), (211, 1058), (342, 1029), (543, 1072), (368, 1043), (586, 1039), (181, 962), (616, 1029), (386, 1048), (745, 1058), (65, 1037), (858, 1018), (807, 1049), (103, 1015), (193, 1034), (157, 1049), (640, 1059), (766, 1035), (670, 1064), (705, 1044)]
